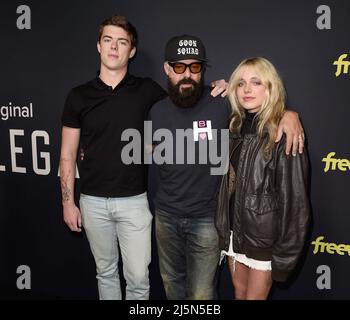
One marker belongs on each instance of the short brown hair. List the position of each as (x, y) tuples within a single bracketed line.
[(122, 22)]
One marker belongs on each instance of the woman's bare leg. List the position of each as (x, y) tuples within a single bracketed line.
[(259, 284), (239, 276)]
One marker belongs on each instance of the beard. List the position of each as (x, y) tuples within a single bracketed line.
[(186, 97)]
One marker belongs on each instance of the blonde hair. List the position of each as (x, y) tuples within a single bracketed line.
[(272, 108)]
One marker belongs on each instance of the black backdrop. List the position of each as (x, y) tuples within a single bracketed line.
[(39, 65)]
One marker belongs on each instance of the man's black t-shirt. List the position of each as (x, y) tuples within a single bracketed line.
[(103, 113), (188, 189)]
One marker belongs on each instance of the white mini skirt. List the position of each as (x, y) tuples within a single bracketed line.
[(242, 258)]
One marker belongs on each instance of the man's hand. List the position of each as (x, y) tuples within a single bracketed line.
[(219, 86), (72, 217), (291, 126)]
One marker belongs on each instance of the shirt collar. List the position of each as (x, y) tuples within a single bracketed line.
[(128, 80)]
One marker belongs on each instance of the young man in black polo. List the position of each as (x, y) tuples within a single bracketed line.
[(113, 203)]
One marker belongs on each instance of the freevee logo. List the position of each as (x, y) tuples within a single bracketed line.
[(330, 248), (11, 111), (342, 65), (334, 164)]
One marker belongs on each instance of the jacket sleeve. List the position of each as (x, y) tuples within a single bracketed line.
[(294, 211), (222, 219), (225, 192)]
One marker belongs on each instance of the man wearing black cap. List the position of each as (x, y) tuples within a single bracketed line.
[(185, 200)]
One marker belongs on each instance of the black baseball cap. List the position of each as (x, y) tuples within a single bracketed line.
[(185, 47)]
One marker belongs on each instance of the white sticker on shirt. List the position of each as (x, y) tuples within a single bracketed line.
[(202, 130)]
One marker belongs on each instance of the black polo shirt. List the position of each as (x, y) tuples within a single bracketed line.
[(103, 113)]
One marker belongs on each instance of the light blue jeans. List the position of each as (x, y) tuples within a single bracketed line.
[(125, 221)]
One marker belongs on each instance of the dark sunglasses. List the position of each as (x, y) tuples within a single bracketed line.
[(180, 67)]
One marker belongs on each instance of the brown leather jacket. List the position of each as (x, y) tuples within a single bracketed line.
[(271, 206)]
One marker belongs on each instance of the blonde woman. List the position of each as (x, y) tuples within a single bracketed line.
[(263, 210)]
